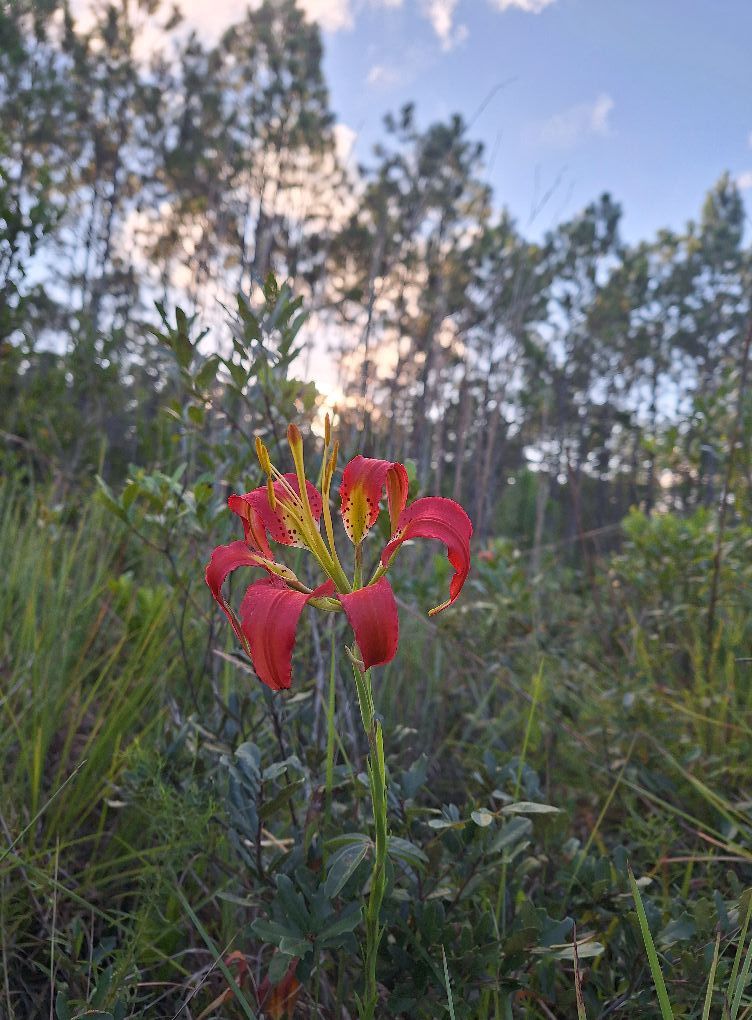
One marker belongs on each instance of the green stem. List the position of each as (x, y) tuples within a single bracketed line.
[(358, 578), (377, 782)]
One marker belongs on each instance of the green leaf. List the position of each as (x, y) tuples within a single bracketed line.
[(678, 930), (273, 932), (404, 850), (270, 806), (196, 414), (295, 946), (106, 497), (271, 289), (514, 831), (207, 374), (293, 904), (347, 839), (342, 866), (655, 968), (529, 807), (482, 817), (278, 967), (347, 921), (62, 1009)]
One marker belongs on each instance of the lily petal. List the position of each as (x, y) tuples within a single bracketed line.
[(444, 520), (372, 612), (253, 524), (363, 482), (269, 616), (278, 523), (225, 559)]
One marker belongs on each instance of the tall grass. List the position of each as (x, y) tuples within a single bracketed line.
[(84, 658)]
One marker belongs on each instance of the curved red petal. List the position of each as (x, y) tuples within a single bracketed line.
[(372, 612), (444, 520), (269, 617), (363, 482), (225, 559), (253, 524), (278, 523)]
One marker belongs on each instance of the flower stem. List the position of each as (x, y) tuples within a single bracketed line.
[(377, 782)]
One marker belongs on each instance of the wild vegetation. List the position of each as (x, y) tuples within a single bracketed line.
[(568, 789)]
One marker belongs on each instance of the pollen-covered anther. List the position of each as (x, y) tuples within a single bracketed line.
[(263, 457), (295, 439)]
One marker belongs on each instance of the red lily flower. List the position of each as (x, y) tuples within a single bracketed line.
[(289, 510)]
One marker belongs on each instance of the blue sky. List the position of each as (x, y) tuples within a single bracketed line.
[(649, 99)]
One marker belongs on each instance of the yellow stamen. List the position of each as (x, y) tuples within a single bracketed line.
[(327, 430), (270, 494), (327, 471), (263, 456), (328, 560)]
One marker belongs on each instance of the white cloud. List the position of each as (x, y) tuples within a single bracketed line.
[(529, 6), (569, 127), (441, 15), (382, 76), (212, 17), (332, 15), (744, 180)]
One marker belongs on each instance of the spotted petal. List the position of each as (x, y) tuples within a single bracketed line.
[(372, 612), (269, 616), (363, 482), (278, 523), (444, 520)]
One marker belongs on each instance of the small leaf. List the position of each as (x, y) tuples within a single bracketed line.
[(347, 921), (62, 1009), (514, 831), (270, 806), (405, 851), (530, 807), (279, 967), (273, 932), (342, 866), (207, 374), (482, 817), (295, 946), (196, 414)]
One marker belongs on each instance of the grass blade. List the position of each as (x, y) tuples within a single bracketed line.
[(711, 979), (239, 997), (736, 988), (581, 1014), (448, 985), (655, 968)]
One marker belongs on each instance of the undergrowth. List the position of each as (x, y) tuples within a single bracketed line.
[(171, 837)]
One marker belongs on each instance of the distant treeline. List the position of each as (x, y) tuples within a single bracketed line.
[(576, 376)]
